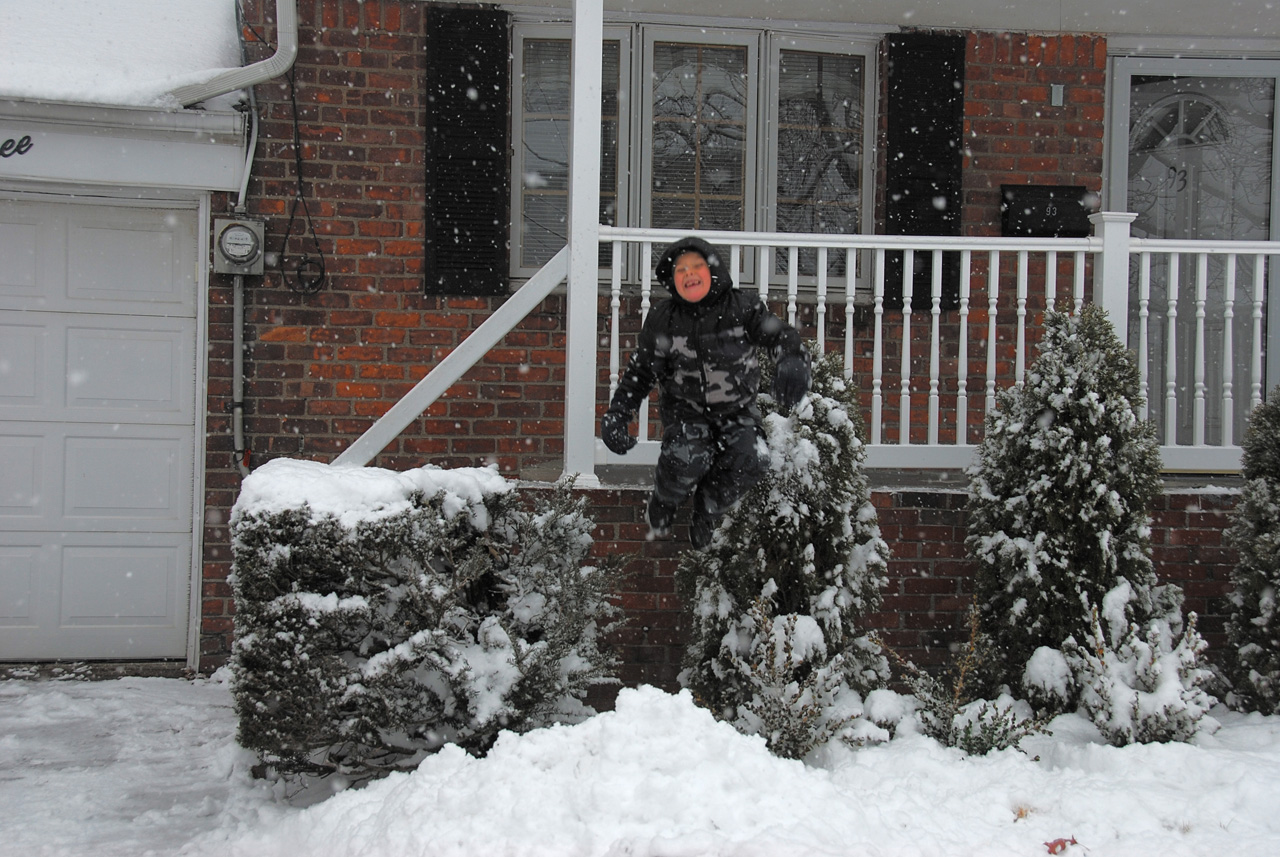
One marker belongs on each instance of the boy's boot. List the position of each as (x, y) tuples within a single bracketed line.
[(700, 530), (659, 519)]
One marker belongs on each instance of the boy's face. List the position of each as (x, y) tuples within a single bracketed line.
[(692, 276)]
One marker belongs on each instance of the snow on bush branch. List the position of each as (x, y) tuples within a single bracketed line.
[(381, 615), (1253, 631)]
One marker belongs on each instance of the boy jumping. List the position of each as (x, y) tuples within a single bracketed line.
[(699, 347)]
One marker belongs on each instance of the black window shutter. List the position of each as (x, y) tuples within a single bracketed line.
[(467, 168), (925, 129)]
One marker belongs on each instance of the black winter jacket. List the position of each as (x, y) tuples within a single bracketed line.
[(702, 356)]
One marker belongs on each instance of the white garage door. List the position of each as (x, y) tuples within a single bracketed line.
[(97, 429)]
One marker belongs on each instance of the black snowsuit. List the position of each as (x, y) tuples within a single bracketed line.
[(702, 356)]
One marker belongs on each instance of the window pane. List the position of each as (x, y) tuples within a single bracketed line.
[(544, 137), (699, 143), (820, 133)]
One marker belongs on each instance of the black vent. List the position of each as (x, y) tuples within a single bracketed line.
[(467, 168)]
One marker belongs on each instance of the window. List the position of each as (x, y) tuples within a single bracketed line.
[(703, 128)]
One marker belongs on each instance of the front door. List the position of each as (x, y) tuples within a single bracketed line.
[(1200, 152)]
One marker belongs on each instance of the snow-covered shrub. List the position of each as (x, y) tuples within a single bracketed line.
[(1253, 631), (776, 600), (374, 625), (949, 711), (1060, 493), (1141, 685)]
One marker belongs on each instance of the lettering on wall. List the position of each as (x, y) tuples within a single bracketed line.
[(11, 147)]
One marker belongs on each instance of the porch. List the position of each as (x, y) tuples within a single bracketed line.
[(929, 328)]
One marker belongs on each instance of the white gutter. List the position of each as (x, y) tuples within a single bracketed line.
[(259, 72)]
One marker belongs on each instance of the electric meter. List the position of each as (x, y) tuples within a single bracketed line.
[(239, 246)]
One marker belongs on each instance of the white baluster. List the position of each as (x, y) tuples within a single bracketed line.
[(793, 282), (1144, 347), (1198, 368), (877, 347), (1171, 355), (1255, 385), (1077, 291), (821, 309), (850, 287), (935, 347), (904, 399), (646, 290), (1050, 280), (762, 272), (615, 306), (1228, 353), (962, 354), (993, 286), (1020, 356)]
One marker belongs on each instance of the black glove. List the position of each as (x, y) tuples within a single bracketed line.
[(792, 381), (613, 431)]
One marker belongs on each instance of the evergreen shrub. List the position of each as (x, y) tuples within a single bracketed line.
[(777, 599), (1253, 631), (1059, 526), (365, 639)]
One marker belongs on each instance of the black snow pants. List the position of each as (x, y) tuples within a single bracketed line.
[(716, 462)]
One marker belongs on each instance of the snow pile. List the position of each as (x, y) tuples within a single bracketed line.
[(125, 52), (141, 766)]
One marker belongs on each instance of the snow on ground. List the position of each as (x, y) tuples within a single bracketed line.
[(139, 766)]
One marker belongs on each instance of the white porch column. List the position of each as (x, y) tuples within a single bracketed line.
[(1111, 269), (584, 242)]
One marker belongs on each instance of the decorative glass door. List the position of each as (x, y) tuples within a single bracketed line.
[(1198, 164)]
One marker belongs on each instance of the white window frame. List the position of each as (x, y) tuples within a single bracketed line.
[(561, 32), (867, 49), (634, 148), (1123, 68)]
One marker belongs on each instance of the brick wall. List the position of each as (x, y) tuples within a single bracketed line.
[(1013, 134), (926, 602)]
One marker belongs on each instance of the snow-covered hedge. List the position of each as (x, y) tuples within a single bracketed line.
[(1253, 631), (1060, 529), (777, 599), (380, 615)]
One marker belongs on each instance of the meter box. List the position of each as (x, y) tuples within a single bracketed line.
[(238, 246), (1045, 211)]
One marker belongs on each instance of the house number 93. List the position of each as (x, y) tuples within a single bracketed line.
[(11, 147)]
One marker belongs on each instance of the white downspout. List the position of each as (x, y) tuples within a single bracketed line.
[(259, 72)]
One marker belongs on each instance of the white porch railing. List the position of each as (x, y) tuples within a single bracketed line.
[(934, 369)]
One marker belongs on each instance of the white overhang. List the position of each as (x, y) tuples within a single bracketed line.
[(121, 146)]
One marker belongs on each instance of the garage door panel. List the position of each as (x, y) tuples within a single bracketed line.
[(128, 256), (145, 371), (23, 364), (143, 478), (75, 366), (93, 595), (116, 586), (23, 491), (19, 576), (97, 258), (19, 245)]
